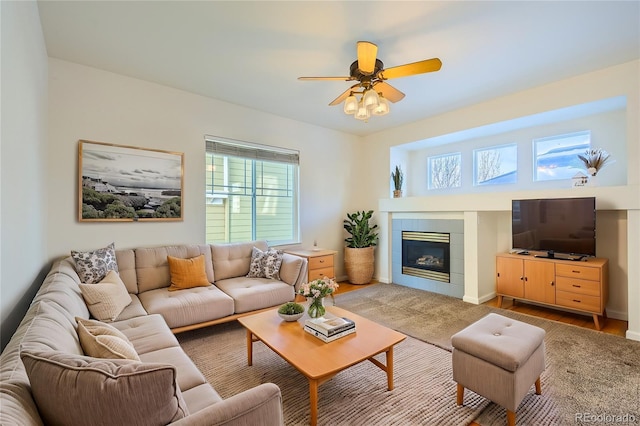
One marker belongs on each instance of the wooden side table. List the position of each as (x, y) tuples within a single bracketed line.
[(321, 262)]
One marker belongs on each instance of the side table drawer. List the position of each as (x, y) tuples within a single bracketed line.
[(320, 273), (578, 271), (321, 262), (578, 301), (575, 285)]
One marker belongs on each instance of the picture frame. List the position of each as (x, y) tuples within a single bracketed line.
[(120, 183)]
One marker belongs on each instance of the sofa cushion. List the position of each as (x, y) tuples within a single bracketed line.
[(92, 266), (147, 334), (72, 389), (233, 260), (250, 294), (100, 340), (127, 269), (152, 267), (50, 329), (187, 273), (188, 307), (106, 299), (135, 309)]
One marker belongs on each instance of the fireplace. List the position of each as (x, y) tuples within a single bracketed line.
[(426, 255)]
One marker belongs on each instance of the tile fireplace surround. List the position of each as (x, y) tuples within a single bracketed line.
[(455, 227)]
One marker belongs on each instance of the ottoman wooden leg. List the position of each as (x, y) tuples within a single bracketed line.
[(511, 418), (460, 394), (538, 387)]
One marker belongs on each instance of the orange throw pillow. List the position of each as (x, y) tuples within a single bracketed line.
[(187, 273)]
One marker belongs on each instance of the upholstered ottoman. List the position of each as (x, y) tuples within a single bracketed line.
[(498, 358)]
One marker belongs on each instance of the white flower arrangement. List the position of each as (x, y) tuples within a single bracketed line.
[(594, 160)]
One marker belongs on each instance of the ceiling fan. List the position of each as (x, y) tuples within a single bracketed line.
[(370, 73)]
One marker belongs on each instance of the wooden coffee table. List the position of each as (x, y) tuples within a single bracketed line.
[(316, 360)]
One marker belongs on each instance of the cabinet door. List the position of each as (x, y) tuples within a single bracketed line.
[(539, 281), (510, 276)]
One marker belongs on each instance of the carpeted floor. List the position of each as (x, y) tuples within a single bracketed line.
[(587, 371)]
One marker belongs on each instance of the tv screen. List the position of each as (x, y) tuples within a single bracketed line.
[(562, 225)]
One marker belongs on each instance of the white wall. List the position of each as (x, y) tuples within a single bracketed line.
[(24, 200), (621, 80), (90, 104)]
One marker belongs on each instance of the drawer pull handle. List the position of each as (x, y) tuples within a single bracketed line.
[(322, 261), (577, 301), (576, 285), (575, 272)]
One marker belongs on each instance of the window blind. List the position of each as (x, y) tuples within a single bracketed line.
[(243, 150)]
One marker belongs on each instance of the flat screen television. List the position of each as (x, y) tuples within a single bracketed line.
[(564, 226)]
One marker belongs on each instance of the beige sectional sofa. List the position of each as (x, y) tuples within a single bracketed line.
[(164, 386)]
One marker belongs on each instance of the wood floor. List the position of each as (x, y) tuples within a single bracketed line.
[(610, 326)]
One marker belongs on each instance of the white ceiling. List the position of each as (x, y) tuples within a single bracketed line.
[(251, 53)]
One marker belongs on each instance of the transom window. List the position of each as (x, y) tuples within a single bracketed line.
[(252, 192), (495, 165), (444, 171), (556, 157)]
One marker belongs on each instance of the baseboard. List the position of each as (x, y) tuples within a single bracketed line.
[(619, 315), (478, 300), (633, 335)]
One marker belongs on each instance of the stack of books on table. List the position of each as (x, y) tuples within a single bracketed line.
[(330, 329)]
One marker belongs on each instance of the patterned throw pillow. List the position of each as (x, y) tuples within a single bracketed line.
[(92, 266), (100, 340), (265, 264), (256, 270), (271, 262)]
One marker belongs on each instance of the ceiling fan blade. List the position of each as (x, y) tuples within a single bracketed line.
[(325, 78), (428, 65), (388, 91), (367, 52), (344, 95)]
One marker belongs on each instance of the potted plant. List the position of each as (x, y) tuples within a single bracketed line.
[(358, 254), (397, 177), (291, 311)]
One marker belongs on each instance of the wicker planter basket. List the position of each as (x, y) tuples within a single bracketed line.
[(358, 263)]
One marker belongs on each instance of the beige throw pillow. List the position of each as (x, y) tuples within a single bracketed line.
[(77, 390), (107, 299), (101, 340)]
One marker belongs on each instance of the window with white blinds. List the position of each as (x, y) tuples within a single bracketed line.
[(252, 192)]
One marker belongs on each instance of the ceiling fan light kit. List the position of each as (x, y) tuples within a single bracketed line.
[(371, 75)]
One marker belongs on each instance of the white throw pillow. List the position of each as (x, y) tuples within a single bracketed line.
[(106, 299), (256, 269)]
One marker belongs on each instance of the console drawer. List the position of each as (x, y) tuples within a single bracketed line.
[(578, 301), (321, 262), (315, 274), (578, 271), (576, 285)]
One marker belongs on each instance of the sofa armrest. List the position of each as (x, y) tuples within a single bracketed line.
[(293, 270), (261, 405)]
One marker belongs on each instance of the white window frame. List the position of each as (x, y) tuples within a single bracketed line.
[(430, 170), (502, 168)]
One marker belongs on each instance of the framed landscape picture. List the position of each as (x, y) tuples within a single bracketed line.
[(125, 183)]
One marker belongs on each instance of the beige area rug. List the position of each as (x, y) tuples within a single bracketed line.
[(588, 373), (424, 392)]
